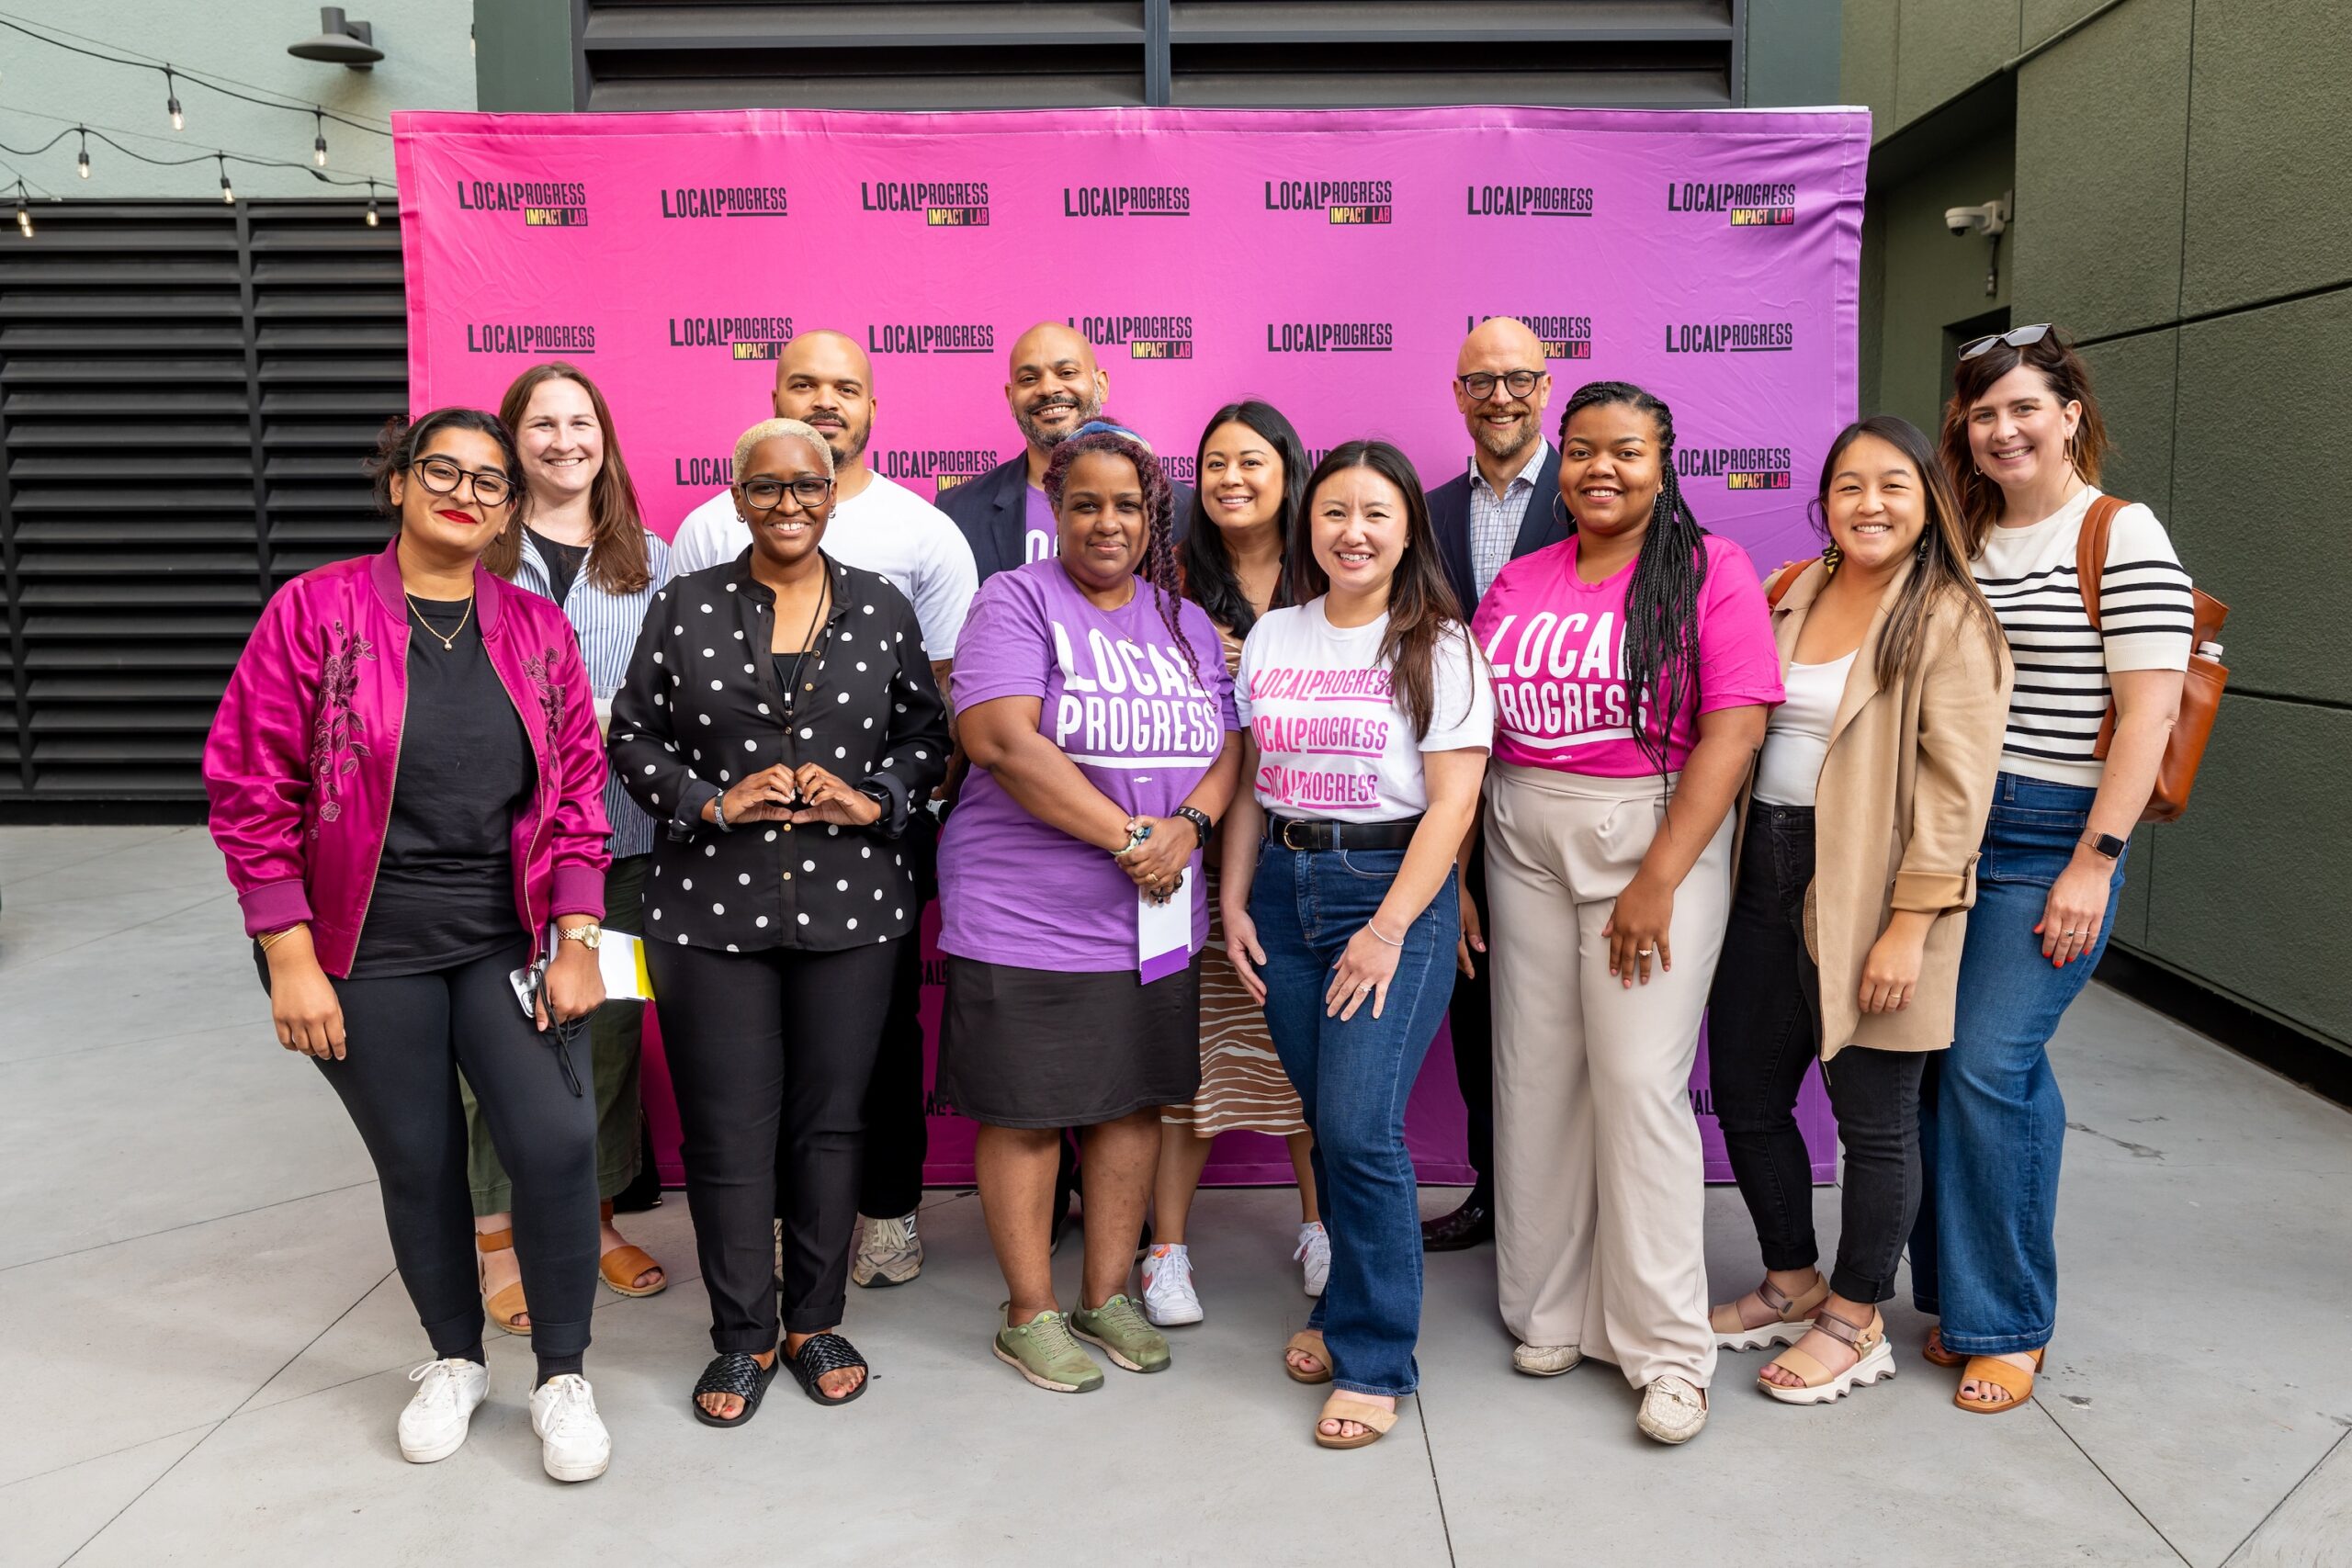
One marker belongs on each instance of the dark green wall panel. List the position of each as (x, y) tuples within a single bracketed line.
[(2133, 380), (2261, 470), (2102, 123), (2269, 151), (1866, 66), (1946, 45)]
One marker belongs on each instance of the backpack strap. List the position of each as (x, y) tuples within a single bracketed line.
[(1782, 580), (2090, 552)]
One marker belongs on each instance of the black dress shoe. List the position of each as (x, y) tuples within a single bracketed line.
[(1467, 1226)]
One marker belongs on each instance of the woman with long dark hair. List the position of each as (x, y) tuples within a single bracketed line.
[(1369, 717), (406, 783), (1098, 718), (1634, 664), (1251, 473), (1845, 943), (2088, 720), (577, 537)]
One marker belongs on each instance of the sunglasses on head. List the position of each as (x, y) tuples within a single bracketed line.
[(2016, 337)]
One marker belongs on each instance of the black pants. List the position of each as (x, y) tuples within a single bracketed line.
[(1763, 1031), (405, 1040), (1472, 1019), (898, 1124), (770, 1053)]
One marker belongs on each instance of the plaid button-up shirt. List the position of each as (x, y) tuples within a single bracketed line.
[(1495, 519)]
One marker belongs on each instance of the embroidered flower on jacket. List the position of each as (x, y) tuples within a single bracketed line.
[(339, 734)]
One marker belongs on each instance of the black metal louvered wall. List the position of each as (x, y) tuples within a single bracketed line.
[(185, 390)]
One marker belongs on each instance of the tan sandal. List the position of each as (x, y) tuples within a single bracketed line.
[(1935, 1352), (2010, 1378), (505, 1309), (1792, 1315), (1308, 1342), (1375, 1421), (1874, 1359), (623, 1265)]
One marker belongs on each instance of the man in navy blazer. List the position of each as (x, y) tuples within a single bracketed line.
[(1504, 505), (1056, 387)]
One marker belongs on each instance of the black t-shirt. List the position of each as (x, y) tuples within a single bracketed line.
[(445, 889), (563, 562)]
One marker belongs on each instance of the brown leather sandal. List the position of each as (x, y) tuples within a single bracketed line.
[(1375, 1421), (622, 1266), (1935, 1352), (505, 1309), (2011, 1379), (1793, 1316), (1308, 1342)]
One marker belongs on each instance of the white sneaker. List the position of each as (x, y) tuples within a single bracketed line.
[(573, 1444), (1545, 1360), (433, 1426), (1673, 1410), (1167, 1296), (1315, 1252), (889, 1252)]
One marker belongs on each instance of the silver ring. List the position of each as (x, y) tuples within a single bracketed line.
[(1363, 988), (1643, 951)]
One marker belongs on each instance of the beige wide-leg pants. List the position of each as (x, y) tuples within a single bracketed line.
[(1599, 1215)]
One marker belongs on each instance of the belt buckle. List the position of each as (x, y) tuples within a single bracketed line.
[(1287, 825)]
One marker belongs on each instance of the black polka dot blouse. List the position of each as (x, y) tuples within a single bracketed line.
[(705, 705)]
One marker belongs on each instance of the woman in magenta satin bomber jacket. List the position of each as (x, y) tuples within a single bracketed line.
[(406, 781)]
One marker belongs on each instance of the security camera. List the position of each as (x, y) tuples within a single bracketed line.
[(1990, 219)]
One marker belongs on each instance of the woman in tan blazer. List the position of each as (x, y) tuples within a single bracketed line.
[(1846, 945)]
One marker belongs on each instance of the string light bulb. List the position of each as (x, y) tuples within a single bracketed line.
[(373, 220), (82, 159), (319, 147), (172, 101), (228, 194)]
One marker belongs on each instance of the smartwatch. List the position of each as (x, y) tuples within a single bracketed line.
[(2106, 845)]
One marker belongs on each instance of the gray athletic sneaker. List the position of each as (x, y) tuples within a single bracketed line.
[(889, 1252), (1042, 1351), (1119, 1327)]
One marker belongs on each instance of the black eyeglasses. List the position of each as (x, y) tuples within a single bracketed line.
[(442, 477), (2016, 337), (766, 495), (1480, 384)]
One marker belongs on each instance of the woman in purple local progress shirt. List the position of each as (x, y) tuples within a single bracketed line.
[(1097, 713)]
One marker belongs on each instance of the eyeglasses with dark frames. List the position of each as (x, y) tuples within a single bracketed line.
[(1480, 384), (442, 476), (2016, 337), (766, 495)]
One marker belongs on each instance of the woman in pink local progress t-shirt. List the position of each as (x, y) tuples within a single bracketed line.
[(1096, 710), (1617, 759)]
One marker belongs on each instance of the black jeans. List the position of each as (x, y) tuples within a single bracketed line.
[(1471, 1020), (770, 1053), (405, 1040), (898, 1123), (1763, 1031)]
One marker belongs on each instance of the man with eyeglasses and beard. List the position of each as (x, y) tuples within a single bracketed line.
[(1055, 387), (1502, 506), (825, 380)]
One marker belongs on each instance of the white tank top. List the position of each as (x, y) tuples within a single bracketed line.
[(1797, 737)]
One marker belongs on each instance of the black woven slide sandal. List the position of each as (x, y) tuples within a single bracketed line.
[(823, 1353), (739, 1374)]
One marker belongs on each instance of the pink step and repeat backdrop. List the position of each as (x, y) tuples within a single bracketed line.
[(1328, 261)]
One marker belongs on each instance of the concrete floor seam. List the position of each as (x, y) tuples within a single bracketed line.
[(188, 1224)]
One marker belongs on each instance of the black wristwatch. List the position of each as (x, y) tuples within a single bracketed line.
[(1200, 821), (2106, 845)]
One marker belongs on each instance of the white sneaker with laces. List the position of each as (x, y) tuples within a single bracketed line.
[(1315, 1252), (1169, 1298), (434, 1424), (889, 1252), (573, 1444), (1673, 1410)]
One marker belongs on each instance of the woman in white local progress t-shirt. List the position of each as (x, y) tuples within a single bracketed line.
[(1366, 715)]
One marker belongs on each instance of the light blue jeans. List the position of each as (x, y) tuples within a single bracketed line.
[(1992, 1123), (1354, 1080)]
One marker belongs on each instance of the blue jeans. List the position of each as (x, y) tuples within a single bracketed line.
[(1992, 1123), (1354, 1080)]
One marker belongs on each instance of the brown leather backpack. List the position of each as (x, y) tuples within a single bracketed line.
[(2200, 693)]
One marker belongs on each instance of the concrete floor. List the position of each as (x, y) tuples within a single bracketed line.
[(205, 1344)]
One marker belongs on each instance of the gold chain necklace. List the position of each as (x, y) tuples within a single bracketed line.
[(449, 643)]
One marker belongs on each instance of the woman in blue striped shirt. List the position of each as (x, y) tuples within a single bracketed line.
[(579, 539)]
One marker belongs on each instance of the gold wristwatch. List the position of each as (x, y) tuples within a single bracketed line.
[(589, 934)]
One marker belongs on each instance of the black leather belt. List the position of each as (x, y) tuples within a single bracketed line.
[(1309, 837)]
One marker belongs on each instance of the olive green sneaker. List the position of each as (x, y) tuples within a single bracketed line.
[(1042, 1351), (1119, 1327)]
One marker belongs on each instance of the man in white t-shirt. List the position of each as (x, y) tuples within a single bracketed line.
[(825, 380)]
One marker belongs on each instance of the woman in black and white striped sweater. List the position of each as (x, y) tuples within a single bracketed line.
[(2023, 440)]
